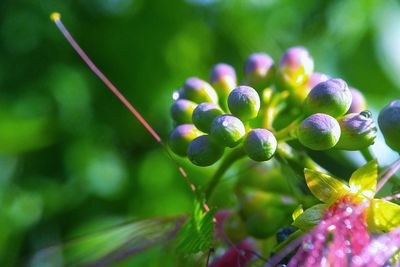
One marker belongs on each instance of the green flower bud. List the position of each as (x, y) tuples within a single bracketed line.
[(295, 67), (204, 114), (358, 131), (198, 91), (203, 151), (389, 123), (181, 111), (260, 144), (319, 132), (358, 102), (227, 130), (244, 102), (299, 94), (223, 79), (331, 97), (259, 70), (180, 138)]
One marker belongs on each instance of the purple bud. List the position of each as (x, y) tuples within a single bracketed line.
[(389, 123), (223, 79), (203, 151), (204, 114), (358, 102), (259, 70), (260, 144), (227, 130), (198, 91), (317, 78), (180, 138), (244, 102), (296, 66), (181, 111)]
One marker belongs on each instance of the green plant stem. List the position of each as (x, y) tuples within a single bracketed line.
[(289, 132), (292, 237), (367, 154), (273, 108), (235, 154)]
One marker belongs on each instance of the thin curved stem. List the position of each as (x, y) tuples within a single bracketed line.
[(387, 174), (367, 154), (226, 163)]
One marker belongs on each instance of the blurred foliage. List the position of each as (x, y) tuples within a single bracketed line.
[(72, 156)]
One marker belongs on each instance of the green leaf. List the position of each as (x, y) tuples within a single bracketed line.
[(297, 212), (324, 187), (383, 216), (363, 180), (197, 233), (310, 217)]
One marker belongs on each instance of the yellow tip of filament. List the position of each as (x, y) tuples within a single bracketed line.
[(55, 16)]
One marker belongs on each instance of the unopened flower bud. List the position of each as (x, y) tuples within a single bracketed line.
[(319, 132), (260, 144), (259, 70), (180, 138), (389, 123), (181, 111), (227, 130), (358, 131), (299, 94), (296, 66), (244, 102), (198, 91), (316, 78), (223, 79), (358, 102), (331, 97), (203, 151), (204, 114)]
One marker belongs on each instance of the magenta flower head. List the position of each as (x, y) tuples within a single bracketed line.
[(204, 114), (358, 102), (260, 144), (223, 78), (181, 111), (227, 130), (244, 102), (358, 131), (259, 70), (331, 97), (319, 132), (389, 123), (203, 151), (296, 66), (198, 91), (180, 138)]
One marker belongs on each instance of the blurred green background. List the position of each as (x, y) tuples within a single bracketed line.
[(74, 160)]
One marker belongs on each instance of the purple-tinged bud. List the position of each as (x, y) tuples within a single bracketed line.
[(319, 132), (227, 130), (180, 138), (358, 131), (181, 111), (389, 123), (299, 94), (223, 79), (259, 70), (316, 78), (244, 102), (296, 66), (203, 151), (198, 91), (358, 102), (204, 114), (331, 97), (260, 144)]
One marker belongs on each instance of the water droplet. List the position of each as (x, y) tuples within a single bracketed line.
[(175, 95), (331, 228)]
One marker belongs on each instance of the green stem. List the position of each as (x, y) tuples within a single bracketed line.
[(289, 132), (292, 237), (274, 108), (367, 154), (235, 154)]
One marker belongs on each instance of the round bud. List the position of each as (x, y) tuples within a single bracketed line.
[(227, 130), (389, 123), (316, 78), (198, 91), (204, 114), (244, 102), (181, 111), (358, 131), (180, 138), (260, 144), (259, 70), (358, 102), (284, 233), (331, 97), (298, 94), (296, 66), (203, 151), (319, 132), (223, 79)]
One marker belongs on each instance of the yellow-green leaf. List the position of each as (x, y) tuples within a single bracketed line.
[(363, 180), (324, 187), (297, 212), (310, 217), (383, 216)]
